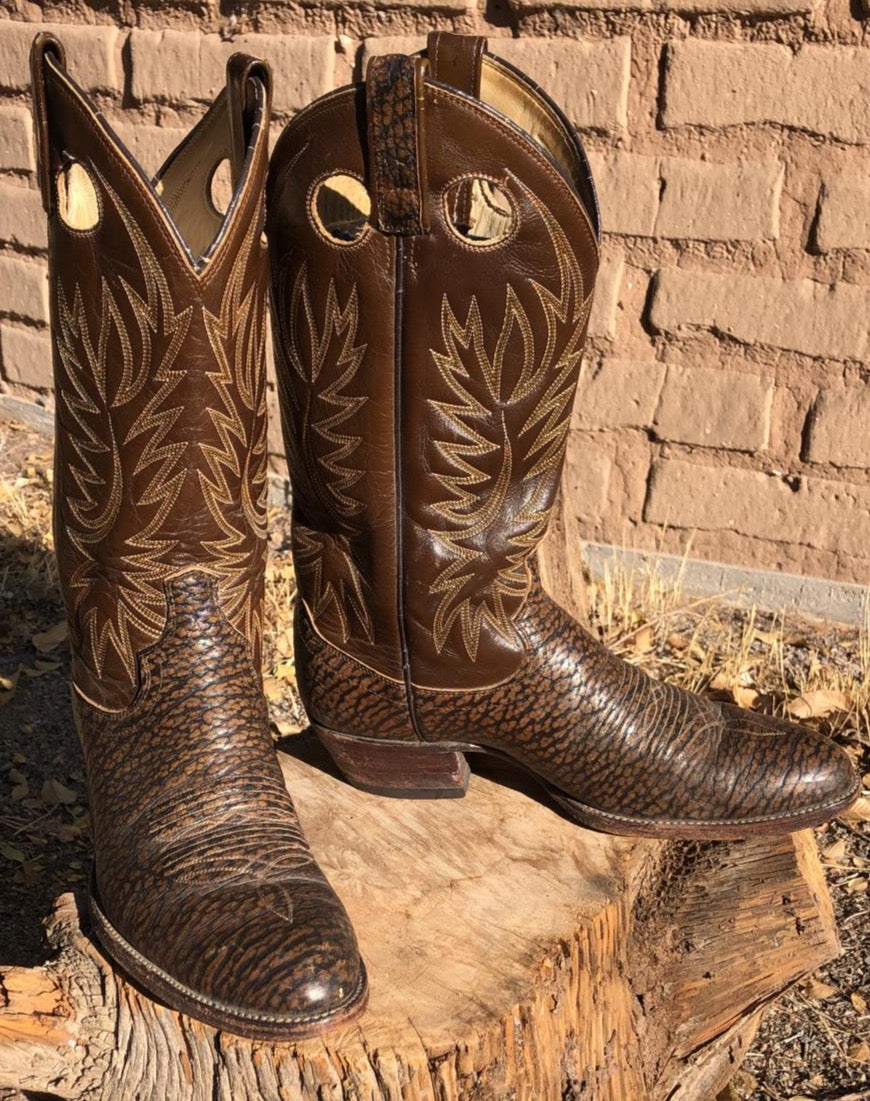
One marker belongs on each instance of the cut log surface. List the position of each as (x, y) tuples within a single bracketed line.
[(510, 953)]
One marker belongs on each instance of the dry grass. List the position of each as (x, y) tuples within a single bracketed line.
[(776, 662), (28, 564)]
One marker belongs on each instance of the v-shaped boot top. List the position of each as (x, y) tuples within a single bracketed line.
[(158, 320), (80, 152)]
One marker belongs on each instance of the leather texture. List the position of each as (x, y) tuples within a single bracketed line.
[(201, 864), (434, 441), (205, 888), (395, 111), (456, 59)]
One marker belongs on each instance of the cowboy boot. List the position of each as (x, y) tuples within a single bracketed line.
[(434, 244), (204, 888)]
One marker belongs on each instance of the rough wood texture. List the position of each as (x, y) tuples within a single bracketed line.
[(511, 955)]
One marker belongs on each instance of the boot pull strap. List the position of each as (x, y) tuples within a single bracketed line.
[(456, 59), (45, 46), (394, 105), (242, 71)]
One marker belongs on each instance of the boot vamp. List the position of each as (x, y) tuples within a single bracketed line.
[(603, 732), (201, 865)]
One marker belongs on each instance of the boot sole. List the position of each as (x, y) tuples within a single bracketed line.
[(253, 1026), (439, 771)]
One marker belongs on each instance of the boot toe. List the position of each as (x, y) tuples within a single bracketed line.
[(274, 961), (778, 771), (283, 953)]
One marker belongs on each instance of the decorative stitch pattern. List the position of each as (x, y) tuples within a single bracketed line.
[(324, 360), (116, 588), (238, 339), (511, 402), (120, 397), (316, 353), (328, 577)]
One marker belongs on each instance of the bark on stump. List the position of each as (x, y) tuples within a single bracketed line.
[(511, 955)]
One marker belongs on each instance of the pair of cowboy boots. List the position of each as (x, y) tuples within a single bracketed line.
[(433, 237)]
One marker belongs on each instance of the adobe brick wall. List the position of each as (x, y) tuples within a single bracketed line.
[(725, 392)]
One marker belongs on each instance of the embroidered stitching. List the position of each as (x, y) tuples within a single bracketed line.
[(122, 361), (324, 359), (237, 335), (135, 338), (492, 524)]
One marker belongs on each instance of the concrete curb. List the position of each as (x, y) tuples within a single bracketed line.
[(817, 597)]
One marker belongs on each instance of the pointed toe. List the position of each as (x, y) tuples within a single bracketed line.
[(325, 979)]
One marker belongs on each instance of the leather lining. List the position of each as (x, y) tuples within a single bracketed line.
[(184, 181), (77, 201), (501, 90)]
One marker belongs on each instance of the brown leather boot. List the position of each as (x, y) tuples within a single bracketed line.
[(204, 889), (434, 245)]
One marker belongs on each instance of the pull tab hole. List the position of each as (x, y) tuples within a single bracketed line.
[(479, 211), (220, 187), (341, 207), (78, 203)]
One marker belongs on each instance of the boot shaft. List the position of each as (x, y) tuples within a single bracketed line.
[(158, 324), (433, 236)]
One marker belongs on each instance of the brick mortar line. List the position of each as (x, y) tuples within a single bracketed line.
[(723, 459)]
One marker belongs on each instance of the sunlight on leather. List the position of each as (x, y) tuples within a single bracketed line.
[(341, 207), (77, 201), (479, 211)]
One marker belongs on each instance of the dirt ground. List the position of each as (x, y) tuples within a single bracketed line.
[(814, 1044)]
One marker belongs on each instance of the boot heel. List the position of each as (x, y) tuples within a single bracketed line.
[(405, 769)]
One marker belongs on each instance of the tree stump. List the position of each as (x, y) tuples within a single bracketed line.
[(511, 954)]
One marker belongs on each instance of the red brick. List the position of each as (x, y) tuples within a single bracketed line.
[(23, 287), (166, 65), (530, 7), (732, 7), (26, 357), (586, 477), (749, 7), (820, 513), (701, 405), (839, 428), (22, 219), (800, 315), (420, 5), (844, 218), (736, 201), (16, 140), (93, 54), (605, 304), (302, 66), (186, 66), (714, 84), (598, 101), (618, 393), (390, 44)]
